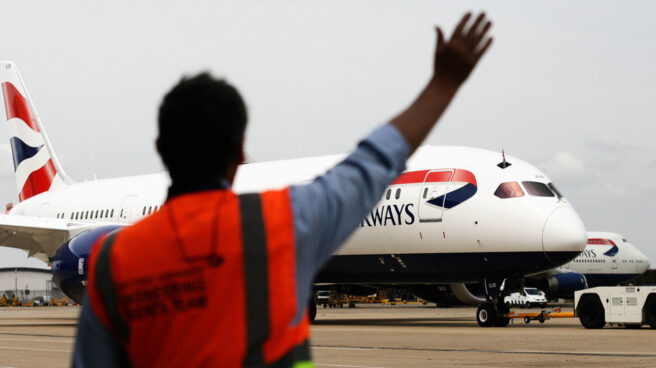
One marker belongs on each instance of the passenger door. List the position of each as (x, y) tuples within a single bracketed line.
[(433, 194), (126, 206)]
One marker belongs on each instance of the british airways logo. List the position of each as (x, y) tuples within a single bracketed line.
[(456, 186), (612, 252), (461, 183)]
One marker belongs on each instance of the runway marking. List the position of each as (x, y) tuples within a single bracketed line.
[(455, 350), (343, 348), (343, 365), (39, 335), (35, 349), (23, 340)]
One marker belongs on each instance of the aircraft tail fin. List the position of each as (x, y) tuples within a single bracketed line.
[(35, 164)]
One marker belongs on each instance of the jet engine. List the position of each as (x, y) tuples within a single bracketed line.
[(69, 265), (449, 294), (563, 285)]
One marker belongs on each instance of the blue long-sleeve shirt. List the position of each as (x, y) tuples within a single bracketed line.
[(326, 211)]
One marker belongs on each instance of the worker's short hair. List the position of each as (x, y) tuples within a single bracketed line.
[(201, 128)]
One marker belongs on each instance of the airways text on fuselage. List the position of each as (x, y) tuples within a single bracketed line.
[(390, 215)]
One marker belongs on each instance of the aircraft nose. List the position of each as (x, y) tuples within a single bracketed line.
[(563, 235), (645, 264)]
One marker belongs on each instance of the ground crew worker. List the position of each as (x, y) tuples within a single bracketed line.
[(219, 279)]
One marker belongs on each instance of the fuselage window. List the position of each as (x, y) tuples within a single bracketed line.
[(86, 215), (97, 211), (537, 189), (398, 193), (150, 208), (509, 190), (425, 192), (389, 193), (112, 213), (144, 211)]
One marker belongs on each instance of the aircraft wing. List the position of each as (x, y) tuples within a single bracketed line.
[(37, 234)]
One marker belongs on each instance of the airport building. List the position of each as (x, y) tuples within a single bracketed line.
[(27, 278)]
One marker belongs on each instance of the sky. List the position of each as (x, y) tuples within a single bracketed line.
[(567, 86)]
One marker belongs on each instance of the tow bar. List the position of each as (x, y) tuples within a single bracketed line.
[(542, 316)]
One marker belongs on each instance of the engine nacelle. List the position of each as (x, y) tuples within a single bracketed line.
[(69, 265), (563, 285), (450, 294)]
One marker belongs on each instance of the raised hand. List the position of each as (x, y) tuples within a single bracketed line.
[(454, 61), (457, 57)]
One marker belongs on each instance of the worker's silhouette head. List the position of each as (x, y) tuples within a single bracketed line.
[(201, 130)]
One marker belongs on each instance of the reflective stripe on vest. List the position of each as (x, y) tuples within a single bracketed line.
[(106, 288), (255, 274), (256, 278)]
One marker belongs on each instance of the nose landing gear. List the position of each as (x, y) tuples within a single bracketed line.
[(494, 312)]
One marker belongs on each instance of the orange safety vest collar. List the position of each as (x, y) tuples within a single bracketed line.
[(265, 252)]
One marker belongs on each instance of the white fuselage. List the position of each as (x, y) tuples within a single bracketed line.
[(612, 261), (403, 224)]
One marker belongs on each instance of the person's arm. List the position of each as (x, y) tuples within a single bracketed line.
[(454, 61), (327, 210)]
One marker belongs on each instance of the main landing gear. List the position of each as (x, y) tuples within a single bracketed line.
[(494, 312)]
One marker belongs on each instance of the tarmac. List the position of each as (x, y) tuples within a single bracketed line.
[(376, 336)]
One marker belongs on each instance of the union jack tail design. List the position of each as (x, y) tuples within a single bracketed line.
[(36, 166)]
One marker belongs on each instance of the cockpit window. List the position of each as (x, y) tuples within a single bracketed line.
[(555, 190), (509, 190), (537, 189)]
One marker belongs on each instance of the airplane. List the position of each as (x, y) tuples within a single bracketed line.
[(457, 215), (608, 259)]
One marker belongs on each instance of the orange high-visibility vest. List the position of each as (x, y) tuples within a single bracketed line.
[(209, 280)]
